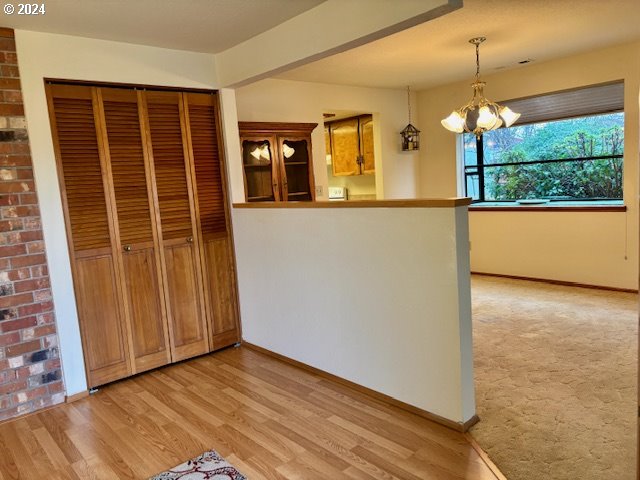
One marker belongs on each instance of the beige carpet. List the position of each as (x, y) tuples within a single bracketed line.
[(556, 379)]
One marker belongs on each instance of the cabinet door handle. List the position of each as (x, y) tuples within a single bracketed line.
[(189, 239), (127, 248)]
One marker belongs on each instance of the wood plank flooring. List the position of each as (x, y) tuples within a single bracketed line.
[(269, 419)]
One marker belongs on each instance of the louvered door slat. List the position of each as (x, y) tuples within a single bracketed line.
[(80, 159), (168, 157)]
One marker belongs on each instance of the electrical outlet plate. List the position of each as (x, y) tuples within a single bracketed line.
[(319, 191)]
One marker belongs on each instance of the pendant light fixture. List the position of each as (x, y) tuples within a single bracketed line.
[(479, 115), (410, 134)]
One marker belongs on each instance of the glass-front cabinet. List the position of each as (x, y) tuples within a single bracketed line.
[(276, 161)]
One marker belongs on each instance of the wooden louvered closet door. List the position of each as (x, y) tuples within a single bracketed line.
[(183, 271), (137, 239), (217, 248), (82, 171)]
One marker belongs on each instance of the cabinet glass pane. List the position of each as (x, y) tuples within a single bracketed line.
[(296, 163), (256, 159)]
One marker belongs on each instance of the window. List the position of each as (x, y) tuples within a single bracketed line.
[(571, 159)]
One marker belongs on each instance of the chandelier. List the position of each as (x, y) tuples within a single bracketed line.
[(479, 115)]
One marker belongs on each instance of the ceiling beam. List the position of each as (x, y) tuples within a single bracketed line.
[(332, 27)]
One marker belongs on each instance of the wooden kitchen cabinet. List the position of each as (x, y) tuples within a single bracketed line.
[(351, 142), (276, 161)]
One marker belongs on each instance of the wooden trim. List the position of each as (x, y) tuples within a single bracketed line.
[(132, 86), (459, 427), (7, 33), (352, 117), (270, 127), (419, 203), (557, 282), (547, 208), (485, 457), (75, 397)]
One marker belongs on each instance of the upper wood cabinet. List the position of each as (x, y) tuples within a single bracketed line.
[(276, 161), (143, 188), (351, 145)]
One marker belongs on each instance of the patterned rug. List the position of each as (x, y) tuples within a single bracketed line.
[(209, 465)]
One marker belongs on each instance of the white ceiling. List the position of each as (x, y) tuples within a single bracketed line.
[(209, 26), (437, 52)]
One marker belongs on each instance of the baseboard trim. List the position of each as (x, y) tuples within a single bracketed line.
[(459, 427), (556, 282), (76, 396), (485, 457)]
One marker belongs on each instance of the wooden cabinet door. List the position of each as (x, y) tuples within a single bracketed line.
[(138, 240), (260, 168), (345, 147), (213, 218), (296, 173), (182, 272), (83, 176), (366, 144)]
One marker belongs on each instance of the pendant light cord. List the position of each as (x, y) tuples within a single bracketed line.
[(409, 103)]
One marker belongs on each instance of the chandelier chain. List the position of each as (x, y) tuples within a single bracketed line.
[(409, 102)]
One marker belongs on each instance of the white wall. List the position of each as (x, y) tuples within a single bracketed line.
[(584, 247), (289, 101), (405, 332), (58, 56)]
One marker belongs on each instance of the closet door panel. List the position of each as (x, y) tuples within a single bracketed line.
[(183, 275), (218, 261), (84, 183), (136, 226), (105, 348)]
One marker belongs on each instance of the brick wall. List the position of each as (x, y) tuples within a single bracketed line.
[(30, 372)]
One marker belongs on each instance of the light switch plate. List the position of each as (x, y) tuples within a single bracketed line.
[(319, 190)]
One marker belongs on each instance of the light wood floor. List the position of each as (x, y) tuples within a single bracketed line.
[(270, 419)]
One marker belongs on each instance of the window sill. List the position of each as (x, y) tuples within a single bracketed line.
[(548, 207)]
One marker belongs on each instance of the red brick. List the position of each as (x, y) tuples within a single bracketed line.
[(12, 59), (53, 364), (11, 225), (19, 148), (28, 199), (55, 387), (19, 274), (39, 271), (14, 325), (42, 295), (9, 338), (12, 199), (24, 173), (30, 394), (15, 300), (12, 96), (13, 250), (46, 319), (4, 262), (21, 211), (10, 109), (30, 285), (30, 236), (35, 247), (15, 187), (9, 238), (27, 260), (15, 160), (6, 32), (10, 71), (22, 348), (35, 308), (7, 44), (32, 223), (13, 387)]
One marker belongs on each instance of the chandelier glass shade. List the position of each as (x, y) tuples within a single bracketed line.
[(479, 115)]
